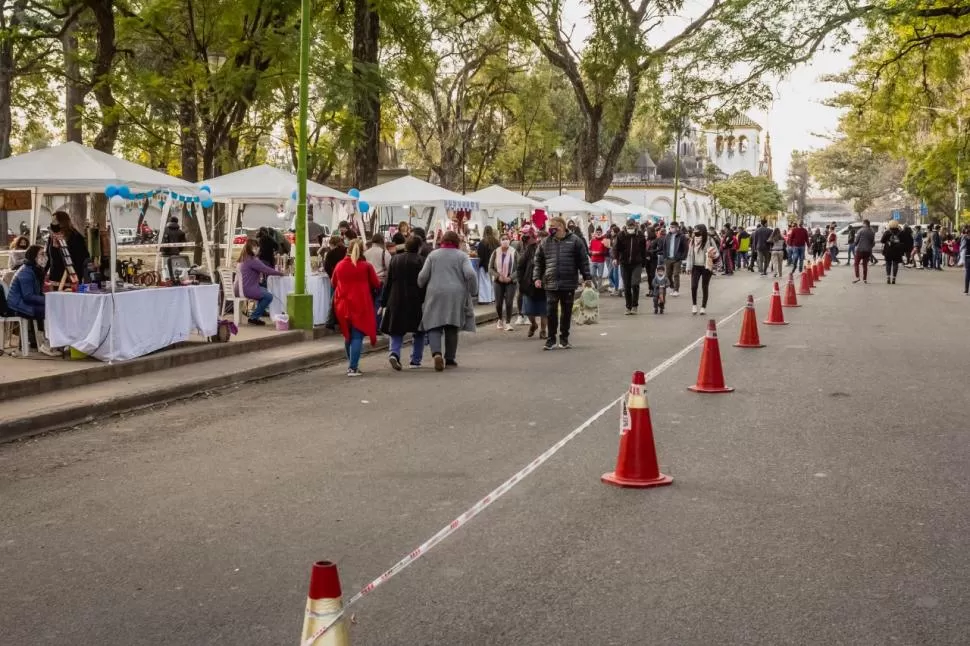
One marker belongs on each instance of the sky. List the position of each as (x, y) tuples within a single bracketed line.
[(796, 115)]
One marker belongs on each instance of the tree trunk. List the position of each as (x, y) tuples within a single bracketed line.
[(101, 74), (74, 93), (189, 129), (367, 96), (6, 87)]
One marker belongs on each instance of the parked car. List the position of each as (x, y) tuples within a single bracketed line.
[(843, 237), (127, 235)]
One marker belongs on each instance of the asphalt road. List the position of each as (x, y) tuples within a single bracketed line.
[(825, 501)]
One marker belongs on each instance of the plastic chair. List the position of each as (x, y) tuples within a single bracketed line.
[(228, 279)]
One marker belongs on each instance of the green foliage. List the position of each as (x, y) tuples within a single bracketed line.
[(746, 195)]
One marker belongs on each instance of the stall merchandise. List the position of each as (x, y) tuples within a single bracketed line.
[(144, 321)]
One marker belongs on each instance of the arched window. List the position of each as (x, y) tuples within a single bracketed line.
[(742, 144), (719, 145)]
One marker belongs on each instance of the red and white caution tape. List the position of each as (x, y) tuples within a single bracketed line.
[(497, 493)]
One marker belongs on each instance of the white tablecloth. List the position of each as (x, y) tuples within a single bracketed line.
[(145, 320), (316, 284)]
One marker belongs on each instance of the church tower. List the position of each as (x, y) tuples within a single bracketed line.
[(765, 166)]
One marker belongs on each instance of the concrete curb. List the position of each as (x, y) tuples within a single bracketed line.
[(58, 418)]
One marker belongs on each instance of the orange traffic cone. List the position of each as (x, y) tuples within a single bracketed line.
[(821, 267), (775, 315), (323, 604), (749, 328), (790, 300), (827, 261), (816, 274), (805, 288), (710, 375), (636, 465)]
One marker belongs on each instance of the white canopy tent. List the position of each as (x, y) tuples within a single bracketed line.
[(567, 205), (409, 191), (72, 168), (494, 199), (75, 169), (267, 185), (618, 213)]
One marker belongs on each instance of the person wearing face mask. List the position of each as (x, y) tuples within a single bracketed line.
[(628, 254), (501, 269), (597, 257), (701, 257), (675, 250), (26, 298), (249, 270), (558, 262)]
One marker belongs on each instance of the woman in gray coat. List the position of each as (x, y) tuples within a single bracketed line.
[(450, 284)]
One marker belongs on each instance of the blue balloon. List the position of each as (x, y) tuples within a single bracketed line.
[(293, 195), (206, 204), (363, 206), (124, 192), (205, 187), (354, 193), (110, 190)]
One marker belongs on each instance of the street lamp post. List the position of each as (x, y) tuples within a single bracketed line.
[(559, 153), (299, 304), (680, 130)]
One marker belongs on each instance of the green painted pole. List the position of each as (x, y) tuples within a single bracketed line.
[(299, 304)]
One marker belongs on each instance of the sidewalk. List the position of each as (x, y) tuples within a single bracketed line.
[(79, 393)]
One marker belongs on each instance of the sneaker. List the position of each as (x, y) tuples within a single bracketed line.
[(674, 292), (635, 310), (509, 328), (565, 345), (656, 310), (499, 325), (888, 280), (855, 281), (353, 372), (693, 309), (257, 322), (703, 311), (628, 312), (414, 366), (550, 344), (451, 363), (894, 280), (395, 362), (439, 363), (522, 320)]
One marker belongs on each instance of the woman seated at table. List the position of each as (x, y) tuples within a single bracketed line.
[(77, 248), (26, 296), (249, 271)]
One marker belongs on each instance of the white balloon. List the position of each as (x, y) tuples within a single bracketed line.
[(291, 206), (204, 195)]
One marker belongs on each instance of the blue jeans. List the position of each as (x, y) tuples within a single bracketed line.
[(354, 347), (796, 257), (851, 252), (417, 349), (614, 277), (265, 299), (597, 272), (937, 258)]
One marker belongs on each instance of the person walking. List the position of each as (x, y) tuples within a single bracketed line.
[(614, 270), (965, 255), (701, 256), (906, 238), (450, 284), (533, 297), (355, 282), (249, 272), (728, 245), (675, 250), (628, 254), (402, 300), (851, 245), (761, 244), (501, 269), (650, 257), (833, 245), (598, 257), (173, 234), (744, 248), (937, 241), (486, 246), (892, 250), (818, 244), (797, 245), (865, 242), (777, 242), (559, 260)]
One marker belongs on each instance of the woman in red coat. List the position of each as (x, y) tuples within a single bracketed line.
[(354, 282)]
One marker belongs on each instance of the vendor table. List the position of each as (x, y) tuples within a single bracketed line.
[(316, 284), (145, 320)]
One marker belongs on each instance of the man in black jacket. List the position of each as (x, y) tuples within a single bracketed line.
[(558, 263), (759, 243), (628, 253), (173, 235), (674, 251)]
